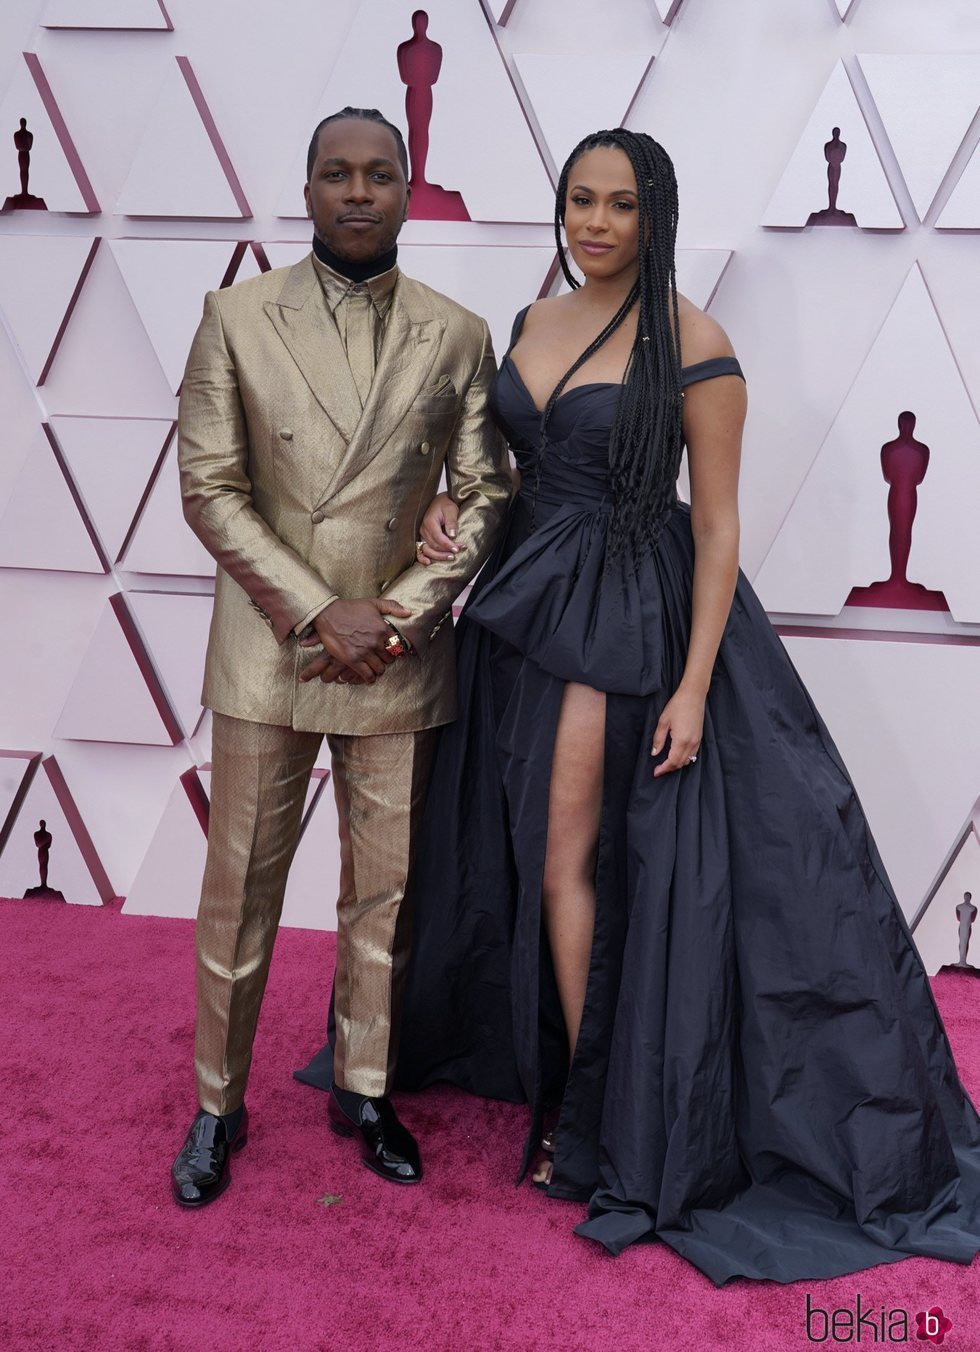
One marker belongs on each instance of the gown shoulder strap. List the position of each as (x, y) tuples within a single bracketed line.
[(515, 332), (707, 370)]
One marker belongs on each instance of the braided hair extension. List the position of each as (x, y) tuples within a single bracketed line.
[(647, 439)]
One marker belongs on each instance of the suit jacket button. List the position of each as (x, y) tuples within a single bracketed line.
[(425, 448), (316, 518), (286, 434), (393, 523)]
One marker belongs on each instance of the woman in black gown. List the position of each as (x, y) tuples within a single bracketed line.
[(647, 893)]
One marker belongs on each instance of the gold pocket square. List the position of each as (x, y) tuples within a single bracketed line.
[(441, 386)]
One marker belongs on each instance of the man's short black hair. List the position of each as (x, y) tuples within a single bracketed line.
[(358, 115)]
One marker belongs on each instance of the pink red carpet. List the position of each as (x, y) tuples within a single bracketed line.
[(308, 1250)]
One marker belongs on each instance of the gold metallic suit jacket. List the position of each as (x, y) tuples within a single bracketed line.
[(303, 497)]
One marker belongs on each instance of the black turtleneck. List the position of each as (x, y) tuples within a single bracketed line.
[(355, 272)]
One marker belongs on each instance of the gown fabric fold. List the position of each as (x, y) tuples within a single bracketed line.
[(762, 1078)]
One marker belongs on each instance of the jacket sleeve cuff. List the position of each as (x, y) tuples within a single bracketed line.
[(284, 629)]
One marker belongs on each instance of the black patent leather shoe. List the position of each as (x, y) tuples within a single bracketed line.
[(200, 1172), (390, 1150)]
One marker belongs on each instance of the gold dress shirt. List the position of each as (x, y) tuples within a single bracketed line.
[(360, 311)]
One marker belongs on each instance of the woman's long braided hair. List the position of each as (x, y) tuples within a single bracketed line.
[(647, 439)]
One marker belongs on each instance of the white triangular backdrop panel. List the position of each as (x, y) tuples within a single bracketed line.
[(162, 542), (41, 277), (169, 879), (181, 167), (835, 535), (937, 933), (111, 461), (864, 188), (109, 700), (506, 180), (573, 95), (927, 103), (68, 871), (126, 15), (167, 280), (41, 527), (57, 174), (175, 629), (15, 766), (962, 211), (917, 783)]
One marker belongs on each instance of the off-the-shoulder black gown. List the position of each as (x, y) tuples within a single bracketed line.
[(762, 1078)]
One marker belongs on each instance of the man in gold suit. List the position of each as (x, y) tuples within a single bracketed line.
[(319, 407)]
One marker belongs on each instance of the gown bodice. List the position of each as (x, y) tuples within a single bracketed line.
[(574, 462), (556, 593)]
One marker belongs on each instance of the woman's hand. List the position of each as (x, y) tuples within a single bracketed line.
[(683, 721), (437, 533)]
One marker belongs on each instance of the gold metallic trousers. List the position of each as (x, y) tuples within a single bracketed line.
[(259, 780)]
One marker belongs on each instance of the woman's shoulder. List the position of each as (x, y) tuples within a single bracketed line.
[(702, 338), (544, 311)]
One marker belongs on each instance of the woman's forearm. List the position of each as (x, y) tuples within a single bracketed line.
[(715, 575)]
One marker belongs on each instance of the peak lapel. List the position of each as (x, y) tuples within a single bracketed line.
[(307, 328), (411, 341)]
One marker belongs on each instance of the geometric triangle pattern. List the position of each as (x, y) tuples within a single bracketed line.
[(927, 103), (174, 629), (500, 10), (74, 867), (17, 769), (573, 94), (104, 332), (836, 534), (56, 175), (284, 253), (162, 542), (182, 167), (471, 93), (112, 461), (494, 280), (913, 782), (42, 525), (116, 695), (805, 186), (168, 881), (167, 280), (944, 927), (41, 277), (962, 211), (120, 15), (699, 273)]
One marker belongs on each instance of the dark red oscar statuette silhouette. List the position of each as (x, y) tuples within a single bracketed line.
[(42, 839), (904, 462), (419, 63), (966, 913), (24, 200), (833, 152)]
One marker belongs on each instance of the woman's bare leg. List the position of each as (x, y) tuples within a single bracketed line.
[(568, 893)]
